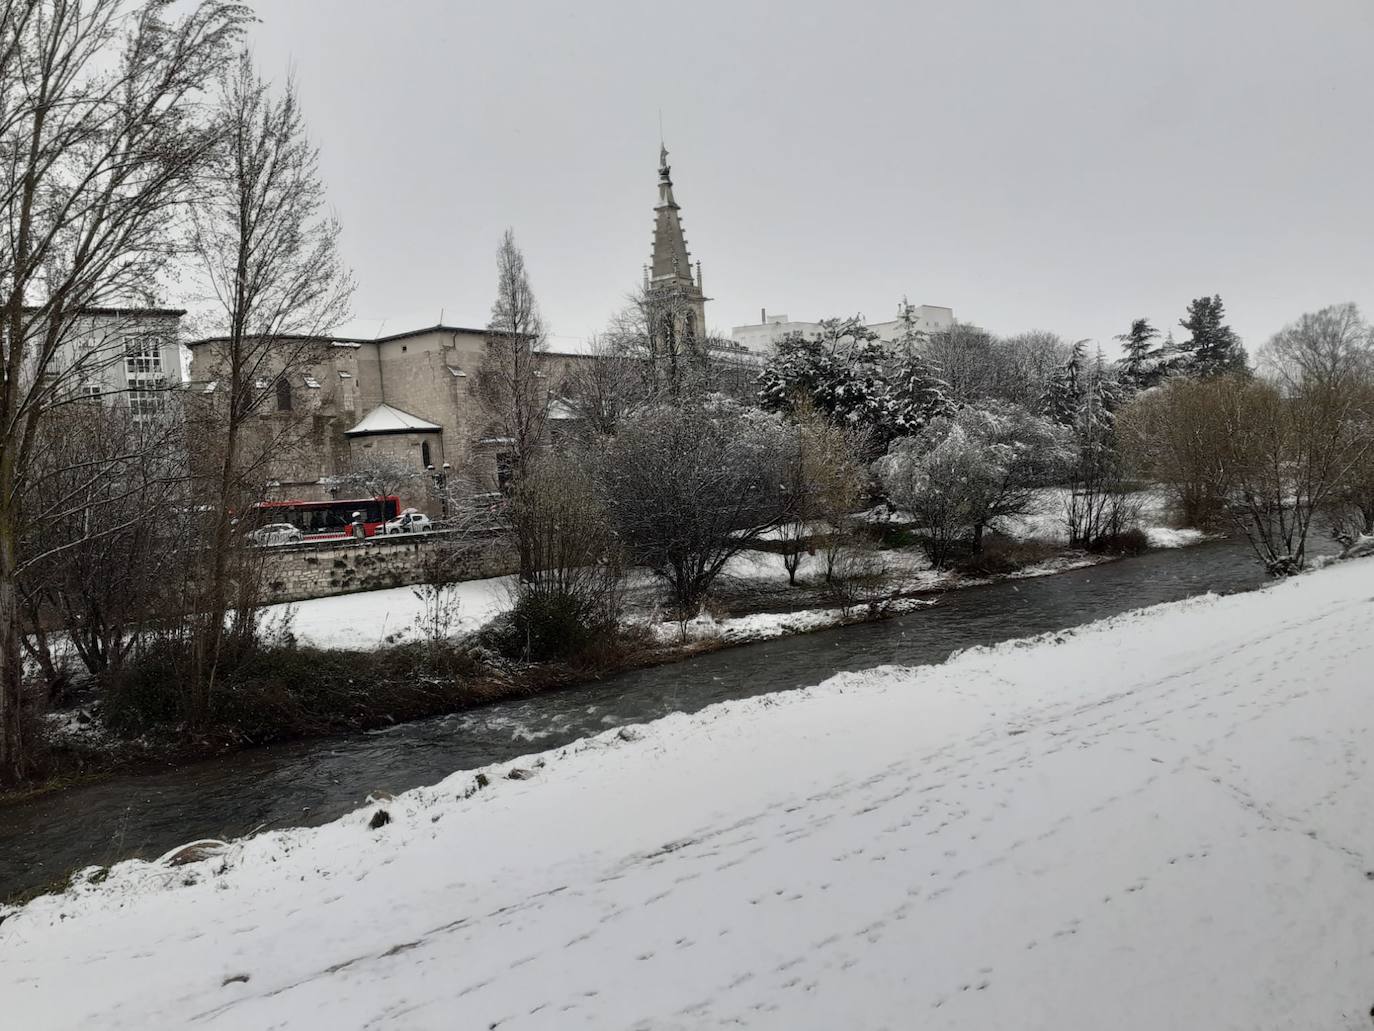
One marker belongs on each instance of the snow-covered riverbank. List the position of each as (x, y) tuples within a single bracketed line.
[(1161, 820), (368, 619)]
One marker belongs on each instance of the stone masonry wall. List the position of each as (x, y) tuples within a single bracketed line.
[(301, 571)]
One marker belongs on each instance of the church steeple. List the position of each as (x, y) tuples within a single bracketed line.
[(674, 305), (670, 262)]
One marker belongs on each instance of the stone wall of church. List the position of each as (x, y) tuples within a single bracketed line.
[(431, 375), (407, 449)]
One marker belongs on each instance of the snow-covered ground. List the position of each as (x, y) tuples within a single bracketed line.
[(1045, 519), (1159, 821), (368, 619)]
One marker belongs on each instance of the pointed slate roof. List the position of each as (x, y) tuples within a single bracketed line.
[(671, 262), (386, 419)]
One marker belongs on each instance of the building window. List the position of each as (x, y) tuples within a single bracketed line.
[(424, 454), (146, 400), (90, 392), (283, 395), (143, 356)]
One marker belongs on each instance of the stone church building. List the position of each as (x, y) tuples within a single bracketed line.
[(413, 395)]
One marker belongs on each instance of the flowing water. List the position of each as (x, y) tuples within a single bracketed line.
[(311, 782)]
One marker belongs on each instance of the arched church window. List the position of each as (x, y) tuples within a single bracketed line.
[(283, 394)]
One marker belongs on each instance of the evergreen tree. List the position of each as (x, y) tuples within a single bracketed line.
[(1140, 363), (910, 339), (1213, 347), (1102, 395), (839, 374), (917, 396), (1064, 395)]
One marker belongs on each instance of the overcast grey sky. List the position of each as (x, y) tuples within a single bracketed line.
[(1065, 165)]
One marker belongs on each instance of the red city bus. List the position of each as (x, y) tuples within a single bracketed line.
[(330, 518)]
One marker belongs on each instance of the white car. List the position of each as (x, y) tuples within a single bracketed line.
[(409, 521), (274, 533)]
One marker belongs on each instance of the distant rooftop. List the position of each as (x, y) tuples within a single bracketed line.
[(357, 341)]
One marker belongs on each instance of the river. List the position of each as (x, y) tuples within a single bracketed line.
[(313, 781)]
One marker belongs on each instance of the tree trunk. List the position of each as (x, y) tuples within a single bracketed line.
[(14, 757)]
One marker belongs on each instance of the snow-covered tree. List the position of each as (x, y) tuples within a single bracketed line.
[(1064, 396), (1097, 505), (688, 487), (1140, 361), (917, 395), (838, 373), (963, 472), (910, 337), (1213, 348)]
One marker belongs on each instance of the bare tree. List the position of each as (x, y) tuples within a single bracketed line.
[(101, 143), (1270, 458), (511, 384), (1284, 458), (688, 488), (270, 254), (382, 476), (963, 354), (1353, 504), (1023, 365), (605, 388), (576, 592), (1174, 435), (1321, 349), (825, 476), (102, 511), (658, 326)]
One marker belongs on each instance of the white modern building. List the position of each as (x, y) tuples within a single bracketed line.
[(760, 337), (123, 356)]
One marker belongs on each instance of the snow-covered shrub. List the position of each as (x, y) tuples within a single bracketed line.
[(962, 473)]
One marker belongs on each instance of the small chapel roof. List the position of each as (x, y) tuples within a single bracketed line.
[(387, 419)]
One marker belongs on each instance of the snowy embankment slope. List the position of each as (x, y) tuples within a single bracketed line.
[(1158, 821)]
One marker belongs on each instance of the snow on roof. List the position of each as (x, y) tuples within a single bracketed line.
[(560, 410), (386, 419)]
